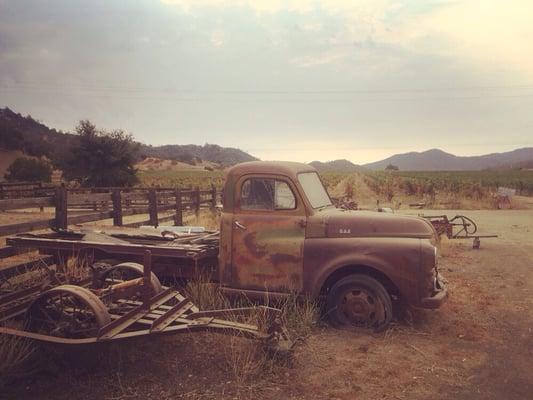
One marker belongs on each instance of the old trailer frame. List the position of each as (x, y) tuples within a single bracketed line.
[(174, 257), (166, 312)]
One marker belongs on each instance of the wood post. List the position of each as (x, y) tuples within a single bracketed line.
[(117, 207), (61, 198), (178, 217), (41, 208), (213, 197), (197, 201), (147, 279), (152, 207)]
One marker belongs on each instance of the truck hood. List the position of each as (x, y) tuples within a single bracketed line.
[(341, 223)]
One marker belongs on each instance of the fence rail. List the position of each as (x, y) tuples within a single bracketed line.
[(77, 206), (94, 204)]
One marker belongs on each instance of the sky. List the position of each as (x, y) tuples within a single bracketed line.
[(284, 80)]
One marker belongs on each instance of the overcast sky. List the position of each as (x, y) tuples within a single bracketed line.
[(294, 80)]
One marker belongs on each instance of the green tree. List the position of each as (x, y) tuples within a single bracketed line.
[(29, 169), (102, 158), (391, 167)]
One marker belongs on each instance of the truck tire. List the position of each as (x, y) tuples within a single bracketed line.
[(359, 301)]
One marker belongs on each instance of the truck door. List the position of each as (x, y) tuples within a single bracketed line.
[(268, 235)]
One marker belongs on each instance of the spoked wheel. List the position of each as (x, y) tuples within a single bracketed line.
[(67, 311), (359, 301), (464, 225), (127, 271)]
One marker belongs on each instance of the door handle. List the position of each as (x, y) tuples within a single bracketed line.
[(302, 223), (239, 225)]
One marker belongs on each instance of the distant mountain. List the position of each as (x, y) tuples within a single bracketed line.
[(30, 136), (438, 160), (336, 166), (34, 138), (224, 156)]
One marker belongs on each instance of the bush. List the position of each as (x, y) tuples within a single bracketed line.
[(102, 158), (29, 169)]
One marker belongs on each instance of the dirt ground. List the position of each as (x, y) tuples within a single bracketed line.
[(479, 345)]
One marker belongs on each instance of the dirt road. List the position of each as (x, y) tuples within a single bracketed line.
[(478, 346)]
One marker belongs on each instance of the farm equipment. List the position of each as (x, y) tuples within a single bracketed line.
[(458, 227), (122, 301)]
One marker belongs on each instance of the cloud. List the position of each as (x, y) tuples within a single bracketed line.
[(488, 34)]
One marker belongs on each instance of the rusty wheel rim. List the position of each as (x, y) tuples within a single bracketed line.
[(68, 313), (360, 307)]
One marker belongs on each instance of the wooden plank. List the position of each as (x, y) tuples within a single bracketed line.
[(135, 210), (80, 219), (10, 251), (61, 200), (88, 198), (137, 224), (117, 208), (152, 198), (135, 196), (28, 202), (178, 217), (166, 219), (26, 226)]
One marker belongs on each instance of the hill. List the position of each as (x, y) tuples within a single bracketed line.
[(335, 166), (224, 156), (25, 134), (438, 160)]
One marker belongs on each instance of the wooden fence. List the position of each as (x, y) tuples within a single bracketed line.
[(77, 206), (15, 190)]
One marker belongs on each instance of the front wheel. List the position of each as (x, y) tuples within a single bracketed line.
[(359, 301)]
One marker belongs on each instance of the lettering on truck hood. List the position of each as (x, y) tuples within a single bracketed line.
[(341, 223)]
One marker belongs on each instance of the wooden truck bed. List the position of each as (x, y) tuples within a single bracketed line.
[(176, 256)]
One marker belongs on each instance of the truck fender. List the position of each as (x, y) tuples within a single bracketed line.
[(351, 263)]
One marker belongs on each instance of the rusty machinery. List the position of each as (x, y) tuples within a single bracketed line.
[(458, 227), (124, 301)]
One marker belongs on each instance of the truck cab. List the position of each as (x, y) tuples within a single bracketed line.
[(282, 235)]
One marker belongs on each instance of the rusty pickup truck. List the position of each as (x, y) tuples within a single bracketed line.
[(280, 234)]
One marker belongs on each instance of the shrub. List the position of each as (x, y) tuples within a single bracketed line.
[(29, 169), (102, 158)]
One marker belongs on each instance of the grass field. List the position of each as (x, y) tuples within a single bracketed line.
[(521, 180), (187, 178)]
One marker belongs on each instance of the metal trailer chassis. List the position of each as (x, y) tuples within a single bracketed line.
[(76, 315)]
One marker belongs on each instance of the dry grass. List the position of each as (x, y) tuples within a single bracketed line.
[(247, 359), (15, 356)]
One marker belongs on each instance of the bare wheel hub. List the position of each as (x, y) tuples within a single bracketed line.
[(360, 307)]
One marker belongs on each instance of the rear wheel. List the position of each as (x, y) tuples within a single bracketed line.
[(359, 301), (126, 271)]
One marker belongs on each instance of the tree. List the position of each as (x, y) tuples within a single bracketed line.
[(391, 167), (101, 158), (29, 169)]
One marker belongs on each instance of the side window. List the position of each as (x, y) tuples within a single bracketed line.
[(266, 194)]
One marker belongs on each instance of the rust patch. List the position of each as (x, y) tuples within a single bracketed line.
[(280, 258), (256, 250)]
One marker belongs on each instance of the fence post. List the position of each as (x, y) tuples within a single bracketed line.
[(61, 198), (197, 201), (152, 207), (41, 208), (117, 207), (213, 197), (178, 217)]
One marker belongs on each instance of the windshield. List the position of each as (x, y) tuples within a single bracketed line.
[(315, 192)]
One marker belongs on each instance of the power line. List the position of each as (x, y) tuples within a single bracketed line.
[(107, 87)]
